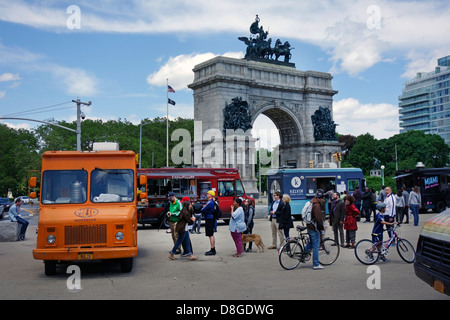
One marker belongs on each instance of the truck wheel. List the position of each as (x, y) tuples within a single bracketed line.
[(126, 265), (50, 267)]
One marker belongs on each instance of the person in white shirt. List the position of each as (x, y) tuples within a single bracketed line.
[(391, 210)]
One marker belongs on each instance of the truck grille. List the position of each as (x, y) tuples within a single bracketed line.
[(437, 251), (85, 234)]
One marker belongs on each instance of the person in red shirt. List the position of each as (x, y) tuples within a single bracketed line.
[(350, 224)]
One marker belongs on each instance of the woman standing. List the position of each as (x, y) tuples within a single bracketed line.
[(249, 214), (399, 205), (286, 218), (414, 203), (184, 220), (237, 225), (350, 225)]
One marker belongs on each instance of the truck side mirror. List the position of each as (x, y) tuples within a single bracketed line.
[(33, 182), (143, 195), (143, 180)]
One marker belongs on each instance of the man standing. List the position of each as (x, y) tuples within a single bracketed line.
[(391, 204), (173, 214), (367, 203), (14, 211), (315, 228), (337, 215), (275, 214), (405, 208), (208, 214)]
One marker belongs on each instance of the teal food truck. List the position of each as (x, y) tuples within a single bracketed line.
[(301, 184)]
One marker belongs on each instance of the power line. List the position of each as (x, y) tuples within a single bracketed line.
[(40, 108)]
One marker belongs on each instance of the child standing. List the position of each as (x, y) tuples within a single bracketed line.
[(377, 231)]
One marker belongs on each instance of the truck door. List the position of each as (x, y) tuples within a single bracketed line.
[(227, 193)]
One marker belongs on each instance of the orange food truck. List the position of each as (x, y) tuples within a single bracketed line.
[(87, 207), (193, 183)]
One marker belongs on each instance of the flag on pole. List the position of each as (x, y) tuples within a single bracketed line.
[(171, 101), (170, 89)]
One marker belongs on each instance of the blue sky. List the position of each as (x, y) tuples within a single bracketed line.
[(123, 51)]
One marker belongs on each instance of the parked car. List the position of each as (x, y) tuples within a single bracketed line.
[(4, 206), (433, 253), (25, 199)]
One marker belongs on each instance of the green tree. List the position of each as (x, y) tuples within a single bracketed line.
[(18, 155)]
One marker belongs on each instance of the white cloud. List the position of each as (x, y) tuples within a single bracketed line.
[(5, 77), (77, 81), (2, 94), (179, 69), (356, 118), (18, 126), (345, 29)]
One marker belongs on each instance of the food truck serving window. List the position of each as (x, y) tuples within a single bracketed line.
[(112, 185), (64, 186)]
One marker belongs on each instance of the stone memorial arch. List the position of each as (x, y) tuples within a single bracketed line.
[(229, 94)]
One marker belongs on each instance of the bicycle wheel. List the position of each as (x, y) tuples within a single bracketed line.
[(366, 252), (328, 252), (406, 250), (290, 255)]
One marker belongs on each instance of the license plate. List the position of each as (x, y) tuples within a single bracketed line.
[(439, 286), (85, 256)]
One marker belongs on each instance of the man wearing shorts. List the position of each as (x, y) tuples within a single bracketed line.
[(208, 215)]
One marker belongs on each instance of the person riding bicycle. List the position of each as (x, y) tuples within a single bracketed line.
[(377, 231)]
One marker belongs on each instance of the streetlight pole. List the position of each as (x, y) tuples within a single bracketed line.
[(382, 175), (79, 103)]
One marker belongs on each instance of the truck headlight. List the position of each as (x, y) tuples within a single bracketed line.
[(51, 239), (119, 236)]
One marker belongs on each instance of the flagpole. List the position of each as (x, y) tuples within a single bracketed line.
[(167, 124)]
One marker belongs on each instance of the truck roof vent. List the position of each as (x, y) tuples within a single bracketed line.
[(105, 146)]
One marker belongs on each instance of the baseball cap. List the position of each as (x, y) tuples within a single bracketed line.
[(171, 194)]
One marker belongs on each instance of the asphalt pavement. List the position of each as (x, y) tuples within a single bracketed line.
[(254, 276)]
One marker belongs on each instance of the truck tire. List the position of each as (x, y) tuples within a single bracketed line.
[(50, 267), (126, 265)]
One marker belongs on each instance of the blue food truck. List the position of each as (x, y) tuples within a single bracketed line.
[(301, 184)]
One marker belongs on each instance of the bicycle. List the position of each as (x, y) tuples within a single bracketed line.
[(292, 252), (367, 252)]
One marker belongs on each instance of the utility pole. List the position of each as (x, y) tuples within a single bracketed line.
[(79, 103)]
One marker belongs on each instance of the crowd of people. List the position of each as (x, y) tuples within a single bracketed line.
[(345, 211), (183, 214)]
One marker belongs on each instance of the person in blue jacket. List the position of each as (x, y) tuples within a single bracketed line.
[(208, 215)]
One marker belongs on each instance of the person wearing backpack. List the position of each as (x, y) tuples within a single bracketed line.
[(314, 227)]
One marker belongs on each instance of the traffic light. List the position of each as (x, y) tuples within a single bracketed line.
[(339, 156), (311, 164), (335, 157)]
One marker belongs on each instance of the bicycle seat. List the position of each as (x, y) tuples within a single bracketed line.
[(301, 228)]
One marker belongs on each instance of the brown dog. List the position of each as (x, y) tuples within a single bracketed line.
[(256, 238)]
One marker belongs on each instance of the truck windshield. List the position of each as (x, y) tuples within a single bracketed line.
[(64, 186), (112, 185)]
